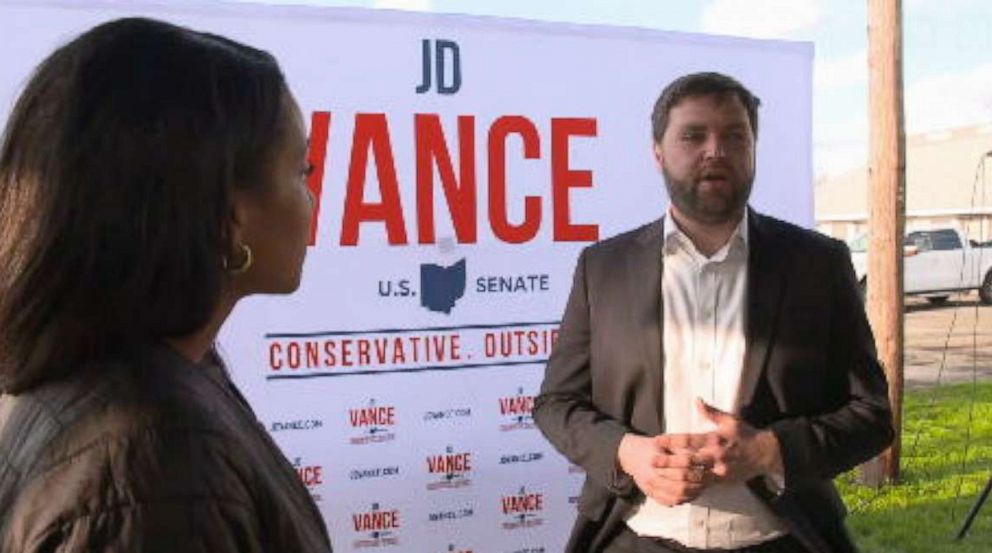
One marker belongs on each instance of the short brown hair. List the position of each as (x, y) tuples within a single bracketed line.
[(701, 84), (117, 169)]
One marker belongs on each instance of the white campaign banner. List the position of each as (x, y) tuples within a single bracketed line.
[(462, 163)]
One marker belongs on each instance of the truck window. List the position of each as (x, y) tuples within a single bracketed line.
[(919, 239), (944, 240)]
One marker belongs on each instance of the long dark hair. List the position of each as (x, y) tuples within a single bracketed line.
[(116, 175)]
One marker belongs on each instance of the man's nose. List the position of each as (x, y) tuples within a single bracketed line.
[(715, 147)]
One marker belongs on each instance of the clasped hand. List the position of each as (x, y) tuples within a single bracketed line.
[(675, 468)]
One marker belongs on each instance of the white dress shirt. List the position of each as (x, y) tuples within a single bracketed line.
[(704, 312)]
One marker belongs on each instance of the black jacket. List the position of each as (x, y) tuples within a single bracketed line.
[(147, 453)]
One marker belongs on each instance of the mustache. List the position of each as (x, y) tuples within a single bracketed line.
[(714, 169)]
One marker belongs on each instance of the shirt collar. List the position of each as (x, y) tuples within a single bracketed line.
[(674, 237)]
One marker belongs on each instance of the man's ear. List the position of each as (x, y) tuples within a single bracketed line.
[(659, 159)]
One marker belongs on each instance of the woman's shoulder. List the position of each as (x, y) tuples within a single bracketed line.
[(136, 412), (127, 396), (130, 486), (122, 439)]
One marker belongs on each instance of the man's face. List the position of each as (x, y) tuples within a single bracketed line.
[(707, 158)]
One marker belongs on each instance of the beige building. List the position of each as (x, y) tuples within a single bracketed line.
[(948, 184)]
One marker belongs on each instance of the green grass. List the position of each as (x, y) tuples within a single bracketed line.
[(944, 467)]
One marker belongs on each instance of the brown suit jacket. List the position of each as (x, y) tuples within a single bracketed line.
[(147, 452), (820, 389)]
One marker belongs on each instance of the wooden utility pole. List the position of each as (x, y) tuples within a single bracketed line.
[(886, 213)]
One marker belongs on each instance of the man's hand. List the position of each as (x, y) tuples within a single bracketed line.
[(667, 468), (739, 451)]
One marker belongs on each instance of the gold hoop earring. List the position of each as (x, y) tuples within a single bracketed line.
[(245, 264)]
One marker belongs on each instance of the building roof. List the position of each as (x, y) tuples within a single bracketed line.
[(947, 173)]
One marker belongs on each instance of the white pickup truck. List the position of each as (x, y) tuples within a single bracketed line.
[(937, 263)]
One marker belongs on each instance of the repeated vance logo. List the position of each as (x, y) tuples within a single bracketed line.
[(379, 526), (374, 421), (516, 410), (451, 469), (522, 509), (312, 476)]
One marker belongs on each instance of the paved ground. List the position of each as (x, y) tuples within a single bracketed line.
[(947, 343)]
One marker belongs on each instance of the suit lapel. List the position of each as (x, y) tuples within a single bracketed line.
[(644, 268), (766, 285)]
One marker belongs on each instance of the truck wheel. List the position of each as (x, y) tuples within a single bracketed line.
[(937, 300), (985, 292)]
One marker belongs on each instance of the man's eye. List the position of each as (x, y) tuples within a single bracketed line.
[(692, 137)]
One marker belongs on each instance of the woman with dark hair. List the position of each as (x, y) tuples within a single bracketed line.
[(150, 177)]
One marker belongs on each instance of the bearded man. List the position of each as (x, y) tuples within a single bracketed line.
[(715, 369)]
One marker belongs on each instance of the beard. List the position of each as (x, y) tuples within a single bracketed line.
[(705, 204)]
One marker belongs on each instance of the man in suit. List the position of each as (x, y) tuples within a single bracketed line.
[(714, 370)]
